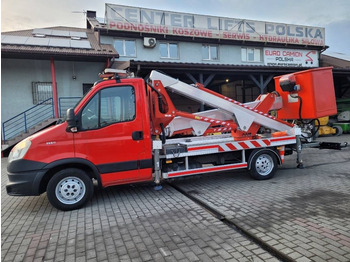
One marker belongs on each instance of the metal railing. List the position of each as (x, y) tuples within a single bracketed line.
[(65, 103), (22, 122), (35, 115)]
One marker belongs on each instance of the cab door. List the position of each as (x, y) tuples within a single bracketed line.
[(110, 135)]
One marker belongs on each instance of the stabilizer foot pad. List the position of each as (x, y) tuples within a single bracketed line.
[(159, 187)]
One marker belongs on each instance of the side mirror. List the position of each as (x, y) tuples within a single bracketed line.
[(71, 121)]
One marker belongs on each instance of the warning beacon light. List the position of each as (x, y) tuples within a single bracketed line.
[(288, 83)]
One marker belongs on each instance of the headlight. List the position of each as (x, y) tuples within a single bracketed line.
[(19, 150)]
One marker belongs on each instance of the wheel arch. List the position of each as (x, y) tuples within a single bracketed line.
[(254, 152), (89, 168)]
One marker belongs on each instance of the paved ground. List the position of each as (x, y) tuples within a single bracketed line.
[(302, 213)]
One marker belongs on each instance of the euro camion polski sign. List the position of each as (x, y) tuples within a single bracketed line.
[(135, 19), (290, 57)]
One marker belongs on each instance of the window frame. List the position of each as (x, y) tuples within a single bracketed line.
[(168, 50), (210, 53), (124, 53), (245, 54), (40, 96)]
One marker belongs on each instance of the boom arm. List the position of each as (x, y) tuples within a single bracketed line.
[(244, 115)]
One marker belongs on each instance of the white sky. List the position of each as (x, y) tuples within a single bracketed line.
[(333, 15)]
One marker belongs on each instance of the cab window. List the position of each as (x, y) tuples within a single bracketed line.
[(109, 106)]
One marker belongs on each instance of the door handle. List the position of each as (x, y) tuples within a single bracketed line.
[(137, 135)]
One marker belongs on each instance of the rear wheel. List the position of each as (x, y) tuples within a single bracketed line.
[(69, 189), (263, 165)]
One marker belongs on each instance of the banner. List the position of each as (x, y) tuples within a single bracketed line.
[(142, 20), (290, 57)]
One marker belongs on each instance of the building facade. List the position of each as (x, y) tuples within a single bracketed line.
[(235, 57)]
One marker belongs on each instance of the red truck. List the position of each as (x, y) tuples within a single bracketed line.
[(127, 130)]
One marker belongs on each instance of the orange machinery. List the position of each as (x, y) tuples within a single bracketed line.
[(307, 94)]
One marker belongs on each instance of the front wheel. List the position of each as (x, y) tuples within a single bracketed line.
[(69, 189), (263, 165)]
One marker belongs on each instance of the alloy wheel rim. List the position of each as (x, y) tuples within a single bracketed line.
[(264, 164), (70, 190)]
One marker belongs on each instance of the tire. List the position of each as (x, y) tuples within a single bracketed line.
[(338, 130), (263, 165), (69, 189)]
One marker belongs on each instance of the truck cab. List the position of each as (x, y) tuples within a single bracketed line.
[(106, 138)]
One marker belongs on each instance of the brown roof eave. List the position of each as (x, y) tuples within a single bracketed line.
[(62, 56), (218, 68)]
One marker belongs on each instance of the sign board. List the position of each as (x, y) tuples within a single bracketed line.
[(290, 57), (142, 20)]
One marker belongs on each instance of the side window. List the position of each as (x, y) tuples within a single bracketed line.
[(117, 105), (113, 105)]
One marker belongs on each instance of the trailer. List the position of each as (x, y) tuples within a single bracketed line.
[(127, 130)]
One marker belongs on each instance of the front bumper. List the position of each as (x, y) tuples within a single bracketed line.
[(24, 178)]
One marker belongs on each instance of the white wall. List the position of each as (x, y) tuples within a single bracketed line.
[(188, 53)]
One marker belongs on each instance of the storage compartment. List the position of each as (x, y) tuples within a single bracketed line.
[(314, 98), (174, 149)]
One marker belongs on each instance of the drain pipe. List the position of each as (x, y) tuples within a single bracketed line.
[(54, 89)]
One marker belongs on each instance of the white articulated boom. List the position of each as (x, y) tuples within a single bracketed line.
[(243, 114)]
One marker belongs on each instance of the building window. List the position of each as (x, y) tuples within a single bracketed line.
[(86, 88), (125, 47), (210, 52), (251, 55), (169, 50), (42, 91)]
